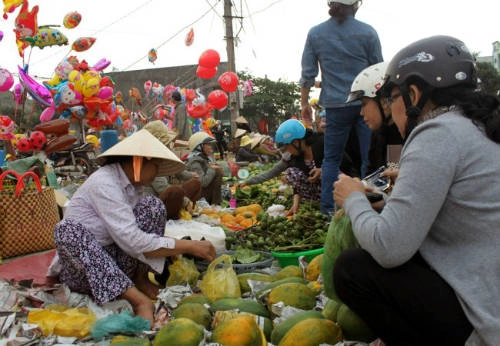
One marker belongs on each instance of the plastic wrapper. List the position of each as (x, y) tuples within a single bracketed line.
[(221, 282), (196, 230), (61, 321), (183, 271)]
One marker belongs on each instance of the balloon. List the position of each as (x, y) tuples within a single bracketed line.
[(6, 80), (93, 140), (189, 37), (209, 59), (23, 145), (190, 95), (1, 35), (91, 87), (9, 6), (159, 113), (135, 94), (71, 20), (157, 89), (39, 93), (6, 128), (200, 111), (37, 140), (82, 44), (105, 93), (147, 86), (167, 92), (106, 82), (118, 97), (101, 64), (206, 72), (63, 69), (26, 25), (78, 112), (218, 99), (45, 37), (47, 113), (18, 93), (228, 81), (152, 56), (17, 137), (67, 95), (247, 88)]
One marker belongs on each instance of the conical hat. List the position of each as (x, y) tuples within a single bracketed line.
[(161, 131), (239, 133), (143, 143), (241, 119), (256, 140)]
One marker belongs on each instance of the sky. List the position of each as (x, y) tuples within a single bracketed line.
[(270, 35)]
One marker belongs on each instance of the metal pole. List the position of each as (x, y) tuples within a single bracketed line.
[(233, 97)]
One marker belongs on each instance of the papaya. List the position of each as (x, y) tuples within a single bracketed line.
[(194, 311), (195, 298), (282, 328), (339, 238), (244, 277), (312, 332), (331, 309), (245, 305), (239, 331), (292, 294), (315, 286), (123, 340), (353, 327), (180, 332), (289, 271), (275, 283), (313, 268)]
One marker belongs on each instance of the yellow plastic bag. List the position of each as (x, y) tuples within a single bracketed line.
[(221, 282), (60, 320), (183, 271)]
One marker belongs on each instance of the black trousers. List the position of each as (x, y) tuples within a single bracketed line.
[(407, 305)]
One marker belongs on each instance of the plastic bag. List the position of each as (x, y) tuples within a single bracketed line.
[(183, 271), (196, 230), (61, 321), (340, 237), (221, 282)]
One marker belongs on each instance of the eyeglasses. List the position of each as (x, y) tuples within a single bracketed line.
[(391, 99)]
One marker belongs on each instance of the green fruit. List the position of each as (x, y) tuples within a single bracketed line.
[(353, 327)]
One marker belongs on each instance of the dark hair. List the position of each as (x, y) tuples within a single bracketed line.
[(176, 96), (340, 12), (107, 160)]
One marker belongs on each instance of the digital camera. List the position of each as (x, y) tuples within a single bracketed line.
[(376, 181)]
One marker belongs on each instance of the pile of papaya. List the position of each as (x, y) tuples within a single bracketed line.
[(251, 319)]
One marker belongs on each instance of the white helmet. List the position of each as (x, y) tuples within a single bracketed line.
[(368, 82), (345, 2)]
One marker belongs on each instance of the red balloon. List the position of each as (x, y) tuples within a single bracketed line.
[(218, 99), (209, 59), (228, 81), (200, 111), (206, 72)]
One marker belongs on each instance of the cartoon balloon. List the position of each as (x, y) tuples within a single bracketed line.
[(118, 97), (209, 58), (247, 88), (26, 25), (228, 81), (1, 35), (206, 72), (6, 128), (200, 111), (23, 145), (6, 80), (47, 113), (152, 56), (46, 36), (93, 140), (101, 64), (71, 20), (9, 6), (147, 86), (135, 94), (39, 92), (189, 37), (18, 93), (82, 44), (218, 99), (37, 140)]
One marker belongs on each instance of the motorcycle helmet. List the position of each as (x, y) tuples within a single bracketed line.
[(440, 61), (290, 130), (368, 82), (199, 138)]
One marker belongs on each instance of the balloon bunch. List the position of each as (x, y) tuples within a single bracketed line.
[(81, 92)]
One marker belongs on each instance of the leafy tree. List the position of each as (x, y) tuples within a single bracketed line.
[(489, 76), (270, 98)]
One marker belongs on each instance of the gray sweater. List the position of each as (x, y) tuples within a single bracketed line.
[(445, 204)]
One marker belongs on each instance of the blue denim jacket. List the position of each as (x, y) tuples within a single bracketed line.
[(341, 51)]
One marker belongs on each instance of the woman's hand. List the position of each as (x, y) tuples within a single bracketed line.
[(314, 175), (344, 186), (392, 173)]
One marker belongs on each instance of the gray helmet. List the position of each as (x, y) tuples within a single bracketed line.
[(441, 61)]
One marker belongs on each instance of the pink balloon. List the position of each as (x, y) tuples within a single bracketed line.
[(18, 93), (6, 80), (101, 64), (47, 114), (39, 92), (105, 93)]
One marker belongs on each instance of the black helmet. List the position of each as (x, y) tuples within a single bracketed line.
[(440, 61)]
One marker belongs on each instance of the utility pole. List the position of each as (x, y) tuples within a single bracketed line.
[(234, 96)]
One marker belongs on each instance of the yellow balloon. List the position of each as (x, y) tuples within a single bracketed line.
[(91, 87), (18, 137), (53, 81), (76, 79), (92, 139)]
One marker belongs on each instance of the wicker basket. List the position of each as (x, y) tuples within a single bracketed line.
[(241, 268)]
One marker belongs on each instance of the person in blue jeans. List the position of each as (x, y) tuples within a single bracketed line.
[(341, 47)]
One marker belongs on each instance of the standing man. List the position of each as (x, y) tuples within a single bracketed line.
[(181, 124), (341, 47)]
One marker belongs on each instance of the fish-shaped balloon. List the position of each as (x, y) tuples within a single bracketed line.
[(82, 44), (46, 36)]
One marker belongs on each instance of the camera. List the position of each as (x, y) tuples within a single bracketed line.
[(376, 181)]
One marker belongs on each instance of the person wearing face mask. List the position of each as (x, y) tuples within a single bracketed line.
[(427, 272), (301, 160)]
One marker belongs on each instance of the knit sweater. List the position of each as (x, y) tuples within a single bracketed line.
[(445, 204)]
